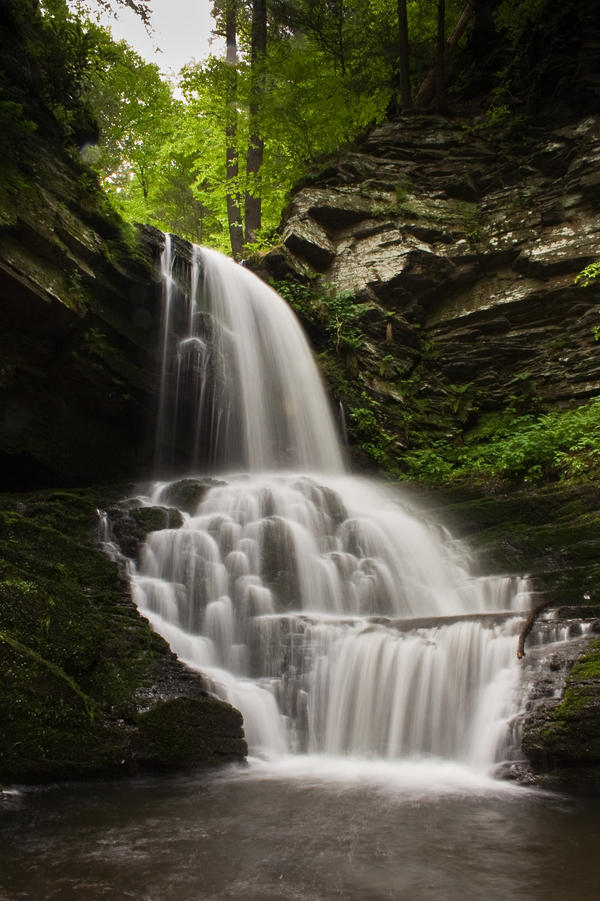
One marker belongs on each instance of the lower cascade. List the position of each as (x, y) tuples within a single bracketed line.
[(335, 617)]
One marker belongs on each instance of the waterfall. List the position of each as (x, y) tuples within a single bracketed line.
[(333, 615), (239, 385)]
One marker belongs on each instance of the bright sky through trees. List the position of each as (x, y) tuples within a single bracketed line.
[(182, 32)]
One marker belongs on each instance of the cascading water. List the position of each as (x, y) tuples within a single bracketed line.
[(336, 620), (239, 386)]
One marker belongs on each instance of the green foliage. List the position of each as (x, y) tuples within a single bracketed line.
[(15, 129), (329, 72), (308, 110), (341, 318), (516, 16), (429, 464), (588, 274), (560, 445), (364, 428), (143, 158), (336, 314)]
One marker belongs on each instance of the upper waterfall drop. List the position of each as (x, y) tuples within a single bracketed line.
[(240, 389)]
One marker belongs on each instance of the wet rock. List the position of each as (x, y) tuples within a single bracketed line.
[(88, 689), (188, 494), (278, 561), (131, 523), (186, 733)]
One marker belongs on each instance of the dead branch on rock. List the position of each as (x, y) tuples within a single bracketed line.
[(528, 627)]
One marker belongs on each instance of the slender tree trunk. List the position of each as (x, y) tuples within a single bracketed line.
[(401, 98), (234, 214), (340, 35), (439, 56), (427, 92), (254, 156), (403, 59)]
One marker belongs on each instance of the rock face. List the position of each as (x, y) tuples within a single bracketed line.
[(559, 729), (79, 297), (79, 317), (458, 252), (460, 257), (454, 234), (87, 688)]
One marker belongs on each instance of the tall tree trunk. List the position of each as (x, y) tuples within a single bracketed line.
[(401, 98), (234, 214), (427, 92), (439, 56), (340, 35), (256, 146), (403, 59)]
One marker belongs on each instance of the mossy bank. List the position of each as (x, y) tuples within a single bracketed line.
[(87, 688)]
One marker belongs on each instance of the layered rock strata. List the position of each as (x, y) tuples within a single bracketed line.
[(468, 239)]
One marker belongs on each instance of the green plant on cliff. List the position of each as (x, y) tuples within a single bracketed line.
[(585, 277), (558, 445), (563, 445), (336, 313), (15, 129), (588, 274), (579, 693), (366, 430)]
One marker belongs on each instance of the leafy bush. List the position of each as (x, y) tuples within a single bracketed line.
[(337, 314), (557, 446)]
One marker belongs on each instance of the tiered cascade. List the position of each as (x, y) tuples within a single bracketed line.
[(338, 620)]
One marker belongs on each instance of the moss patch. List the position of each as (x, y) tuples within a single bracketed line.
[(180, 732), (75, 655), (569, 734)]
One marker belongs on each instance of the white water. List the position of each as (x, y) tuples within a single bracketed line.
[(238, 368), (335, 619)]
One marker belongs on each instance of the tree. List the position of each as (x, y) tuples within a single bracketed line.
[(256, 144), (234, 213), (136, 113), (403, 64), (433, 85), (298, 80), (141, 8), (439, 55)]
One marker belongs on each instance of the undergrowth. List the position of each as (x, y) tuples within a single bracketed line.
[(561, 445)]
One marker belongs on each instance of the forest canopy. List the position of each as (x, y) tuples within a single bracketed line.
[(213, 154)]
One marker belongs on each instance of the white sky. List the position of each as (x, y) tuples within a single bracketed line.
[(182, 32)]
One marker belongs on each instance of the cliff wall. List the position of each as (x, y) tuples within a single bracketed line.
[(456, 250)]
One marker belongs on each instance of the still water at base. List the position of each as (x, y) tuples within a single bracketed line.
[(307, 829)]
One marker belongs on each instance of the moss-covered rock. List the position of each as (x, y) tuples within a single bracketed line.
[(81, 670), (131, 522), (186, 732), (561, 737), (549, 533), (188, 494)]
